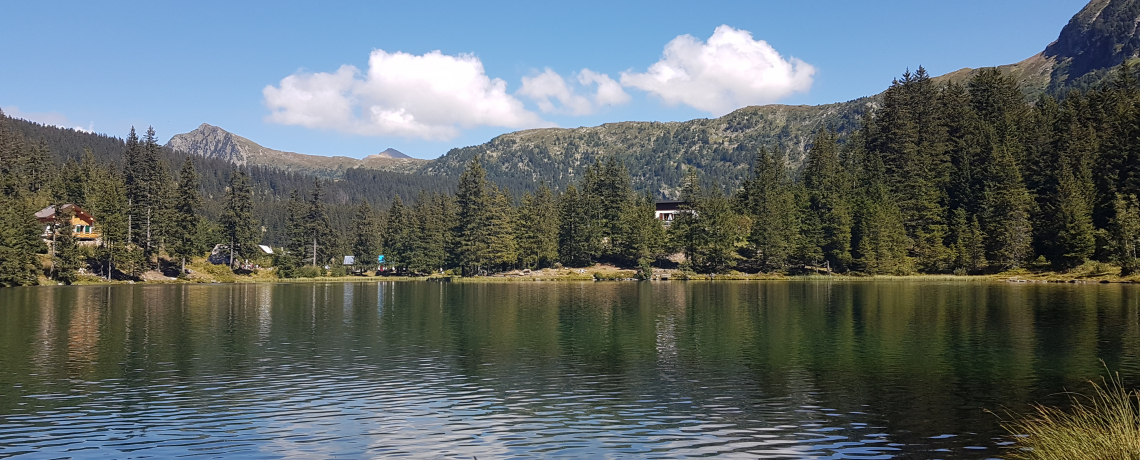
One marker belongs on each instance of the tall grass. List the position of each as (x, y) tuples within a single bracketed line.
[(1103, 425)]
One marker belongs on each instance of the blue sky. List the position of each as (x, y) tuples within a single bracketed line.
[(275, 72)]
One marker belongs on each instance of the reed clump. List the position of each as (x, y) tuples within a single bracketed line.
[(1102, 425)]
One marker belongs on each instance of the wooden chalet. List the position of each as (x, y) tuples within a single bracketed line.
[(667, 210), (82, 223)]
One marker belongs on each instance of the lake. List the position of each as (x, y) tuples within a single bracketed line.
[(780, 369)]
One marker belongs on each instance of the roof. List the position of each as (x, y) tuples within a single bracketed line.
[(668, 205), (48, 213), (265, 249), (349, 260)]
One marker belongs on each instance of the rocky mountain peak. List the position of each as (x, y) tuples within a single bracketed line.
[(211, 142)]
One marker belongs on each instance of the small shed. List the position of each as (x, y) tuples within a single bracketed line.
[(349, 260)]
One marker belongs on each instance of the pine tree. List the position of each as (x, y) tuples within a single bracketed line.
[(320, 238), (365, 238), (290, 258), (107, 202), (879, 236), (476, 230), (538, 229), (184, 239), (398, 238), (827, 222), (19, 240), (643, 239), (1125, 234), (238, 226), (575, 234), (67, 258), (1005, 206), (770, 201), (968, 247), (502, 248)]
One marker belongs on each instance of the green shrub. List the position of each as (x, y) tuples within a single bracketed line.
[(309, 271), (220, 273), (338, 270)]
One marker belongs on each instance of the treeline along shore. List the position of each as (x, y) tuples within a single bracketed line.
[(963, 178)]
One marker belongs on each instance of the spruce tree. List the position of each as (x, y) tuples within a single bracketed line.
[(238, 225), (365, 238), (827, 223), (400, 228), (575, 233), (538, 229), (1125, 234), (67, 258), (769, 199), (184, 239), (476, 230), (320, 238), (1005, 207), (107, 202), (19, 241)]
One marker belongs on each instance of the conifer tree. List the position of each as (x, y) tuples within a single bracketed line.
[(644, 238), (1005, 206), (575, 233), (1125, 234), (968, 247), (67, 258), (400, 228), (770, 201), (428, 247), (19, 240), (184, 240), (538, 229), (827, 222), (320, 238), (107, 202), (365, 238), (502, 247), (880, 239), (238, 226), (290, 258), (476, 231)]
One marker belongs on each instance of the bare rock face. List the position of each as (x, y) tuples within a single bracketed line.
[(211, 142)]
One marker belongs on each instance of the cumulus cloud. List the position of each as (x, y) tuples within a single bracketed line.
[(730, 71), (47, 118), (549, 85), (430, 96)]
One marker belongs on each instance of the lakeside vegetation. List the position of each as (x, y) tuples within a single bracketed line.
[(940, 179)]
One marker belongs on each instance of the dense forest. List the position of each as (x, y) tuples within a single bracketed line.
[(940, 178)]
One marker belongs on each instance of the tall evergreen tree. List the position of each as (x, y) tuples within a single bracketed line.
[(398, 238), (769, 199), (575, 232), (827, 222), (67, 258), (1125, 234), (184, 240), (365, 237), (538, 229), (320, 238), (19, 241), (238, 225)]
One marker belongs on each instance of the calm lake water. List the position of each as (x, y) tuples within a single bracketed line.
[(791, 369)]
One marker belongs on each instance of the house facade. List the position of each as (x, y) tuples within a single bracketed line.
[(82, 224), (667, 210)]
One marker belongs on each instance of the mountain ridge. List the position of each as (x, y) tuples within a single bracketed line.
[(1097, 38)]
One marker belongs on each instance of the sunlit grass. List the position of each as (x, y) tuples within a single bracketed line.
[(1102, 425)]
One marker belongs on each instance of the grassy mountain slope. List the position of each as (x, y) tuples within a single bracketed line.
[(655, 153), (214, 142)]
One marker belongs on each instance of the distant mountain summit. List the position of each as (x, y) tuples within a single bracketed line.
[(390, 153), (213, 142)]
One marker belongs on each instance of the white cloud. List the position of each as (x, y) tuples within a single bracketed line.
[(730, 71), (430, 96), (56, 119), (549, 85)]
